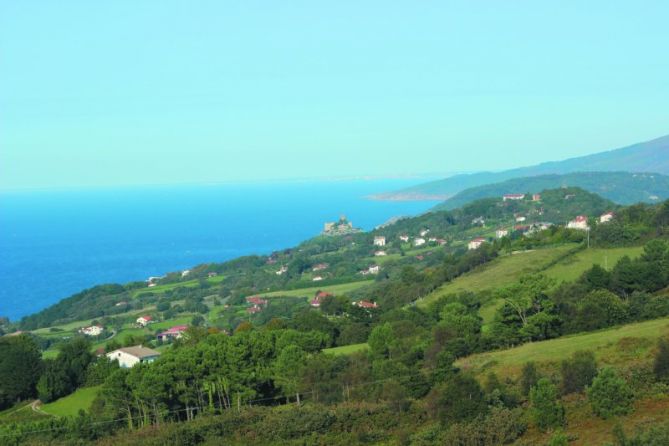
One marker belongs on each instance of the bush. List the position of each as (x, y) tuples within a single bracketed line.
[(578, 372), (547, 411), (610, 395), (529, 378), (661, 361)]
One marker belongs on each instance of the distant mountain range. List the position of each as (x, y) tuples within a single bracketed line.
[(650, 156), (620, 187)]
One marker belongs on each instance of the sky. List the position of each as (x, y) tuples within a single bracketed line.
[(167, 92)]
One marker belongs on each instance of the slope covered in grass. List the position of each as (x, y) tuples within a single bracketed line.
[(71, 404)]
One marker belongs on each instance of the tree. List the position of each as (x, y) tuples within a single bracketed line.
[(600, 309), (529, 378), (547, 411), (460, 398), (578, 372), (661, 361), (287, 370), (55, 381), (20, 368), (610, 395)]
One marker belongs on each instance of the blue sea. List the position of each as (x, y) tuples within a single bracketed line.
[(54, 244)]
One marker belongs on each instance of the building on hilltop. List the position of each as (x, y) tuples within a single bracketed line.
[(341, 227), (175, 332), (501, 232), (508, 197), (143, 321)]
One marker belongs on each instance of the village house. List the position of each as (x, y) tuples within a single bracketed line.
[(93, 330), (520, 218), (185, 272), (508, 197), (404, 238), (175, 332), (143, 321), (380, 253), (256, 300), (476, 243), (419, 241), (424, 232), (317, 279), (478, 221), (432, 239), (320, 267), (212, 274), (580, 223), (501, 233), (282, 270), (374, 269), (316, 301), (536, 197), (365, 304), (152, 284), (254, 309), (607, 217), (379, 240), (128, 357), (441, 241)]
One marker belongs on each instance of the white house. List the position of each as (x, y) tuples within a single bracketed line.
[(520, 218), (317, 279), (380, 254), (374, 269), (143, 320), (501, 233), (379, 240), (93, 330), (480, 221), (404, 238), (424, 232), (282, 270), (580, 223), (419, 241), (130, 356), (185, 272), (476, 243), (605, 218), (508, 197)]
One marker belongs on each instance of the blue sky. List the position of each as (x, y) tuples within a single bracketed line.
[(146, 92)]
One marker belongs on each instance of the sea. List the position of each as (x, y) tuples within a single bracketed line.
[(56, 243)]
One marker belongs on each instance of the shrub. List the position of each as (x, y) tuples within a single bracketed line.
[(661, 361), (547, 411), (610, 395), (578, 372)]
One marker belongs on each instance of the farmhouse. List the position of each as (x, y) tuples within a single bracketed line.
[(380, 253), (175, 332), (256, 300), (212, 274), (365, 304), (316, 301), (143, 321), (320, 267), (93, 330), (424, 232), (404, 238), (379, 240), (130, 356), (536, 197), (317, 279), (508, 197), (254, 309), (580, 223), (282, 270), (607, 217), (419, 241), (374, 269), (476, 243), (501, 233)]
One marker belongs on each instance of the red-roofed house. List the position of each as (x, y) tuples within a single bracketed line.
[(144, 320), (256, 300), (173, 333), (254, 309), (580, 223), (507, 197)]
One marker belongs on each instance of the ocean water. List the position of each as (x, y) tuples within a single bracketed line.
[(53, 244)]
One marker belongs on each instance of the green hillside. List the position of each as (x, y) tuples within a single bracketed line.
[(619, 187)]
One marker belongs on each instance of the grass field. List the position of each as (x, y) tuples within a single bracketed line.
[(572, 267), (501, 271), (71, 404), (170, 286), (310, 292), (610, 345), (346, 349), (20, 412)]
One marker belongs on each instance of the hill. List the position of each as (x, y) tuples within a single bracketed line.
[(620, 187), (650, 156)]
